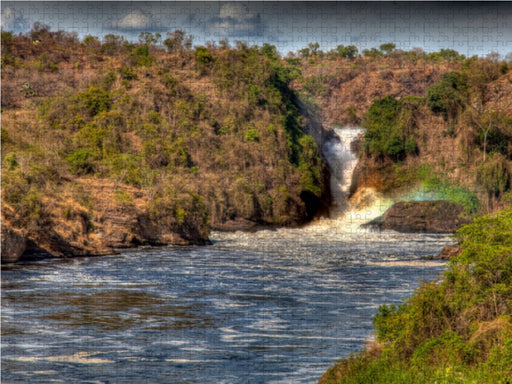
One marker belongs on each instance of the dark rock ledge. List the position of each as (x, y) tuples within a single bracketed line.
[(437, 216)]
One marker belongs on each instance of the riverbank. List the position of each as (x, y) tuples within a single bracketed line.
[(454, 330)]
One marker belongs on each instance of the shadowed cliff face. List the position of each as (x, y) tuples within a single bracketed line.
[(13, 245), (70, 230)]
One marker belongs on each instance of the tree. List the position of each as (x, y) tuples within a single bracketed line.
[(148, 38), (374, 52), (112, 44), (178, 41), (313, 47), (387, 47), (391, 126), (39, 31), (348, 52), (446, 54), (224, 44), (270, 51), (203, 57), (448, 96), (304, 52)]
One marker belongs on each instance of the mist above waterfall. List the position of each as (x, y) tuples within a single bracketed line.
[(348, 214)]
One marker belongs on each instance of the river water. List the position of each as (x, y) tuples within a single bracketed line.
[(274, 306)]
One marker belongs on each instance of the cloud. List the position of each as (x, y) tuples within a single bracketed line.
[(13, 20), (235, 19), (134, 20)]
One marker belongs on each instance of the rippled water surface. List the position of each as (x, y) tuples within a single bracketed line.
[(267, 307)]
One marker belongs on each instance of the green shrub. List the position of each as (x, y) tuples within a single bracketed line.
[(91, 136), (203, 57), (95, 100), (348, 52), (455, 330), (5, 139), (194, 170), (14, 186), (251, 135), (123, 198), (127, 73), (127, 168), (254, 93), (140, 56), (448, 96), (27, 90), (11, 161), (448, 349), (53, 67), (81, 161), (446, 54), (373, 52), (186, 212), (391, 127), (387, 47)]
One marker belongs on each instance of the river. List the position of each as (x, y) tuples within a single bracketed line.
[(273, 306)]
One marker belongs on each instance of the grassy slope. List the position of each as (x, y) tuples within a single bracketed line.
[(455, 330)]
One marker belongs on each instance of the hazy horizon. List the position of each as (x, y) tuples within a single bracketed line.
[(471, 28)]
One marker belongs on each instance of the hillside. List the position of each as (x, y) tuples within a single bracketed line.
[(439, 125), (117, 144)]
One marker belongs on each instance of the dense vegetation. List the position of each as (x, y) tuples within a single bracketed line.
[(390, 127), (440, 123), (455, 330), (192, 136)]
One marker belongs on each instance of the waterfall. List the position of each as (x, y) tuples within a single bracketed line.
[(342, 162), (346, 214)]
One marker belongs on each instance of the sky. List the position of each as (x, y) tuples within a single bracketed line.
[(471, 28)]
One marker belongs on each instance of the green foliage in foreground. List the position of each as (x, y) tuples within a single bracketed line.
[(456, 330)]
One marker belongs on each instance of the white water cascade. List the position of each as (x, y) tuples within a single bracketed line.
[(347, 215)]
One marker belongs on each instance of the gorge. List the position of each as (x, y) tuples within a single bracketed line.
[(145, 154)]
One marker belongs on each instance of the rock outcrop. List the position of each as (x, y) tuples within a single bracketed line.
[(437, 216), (69, 229), (448, 252), (13, 245)]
